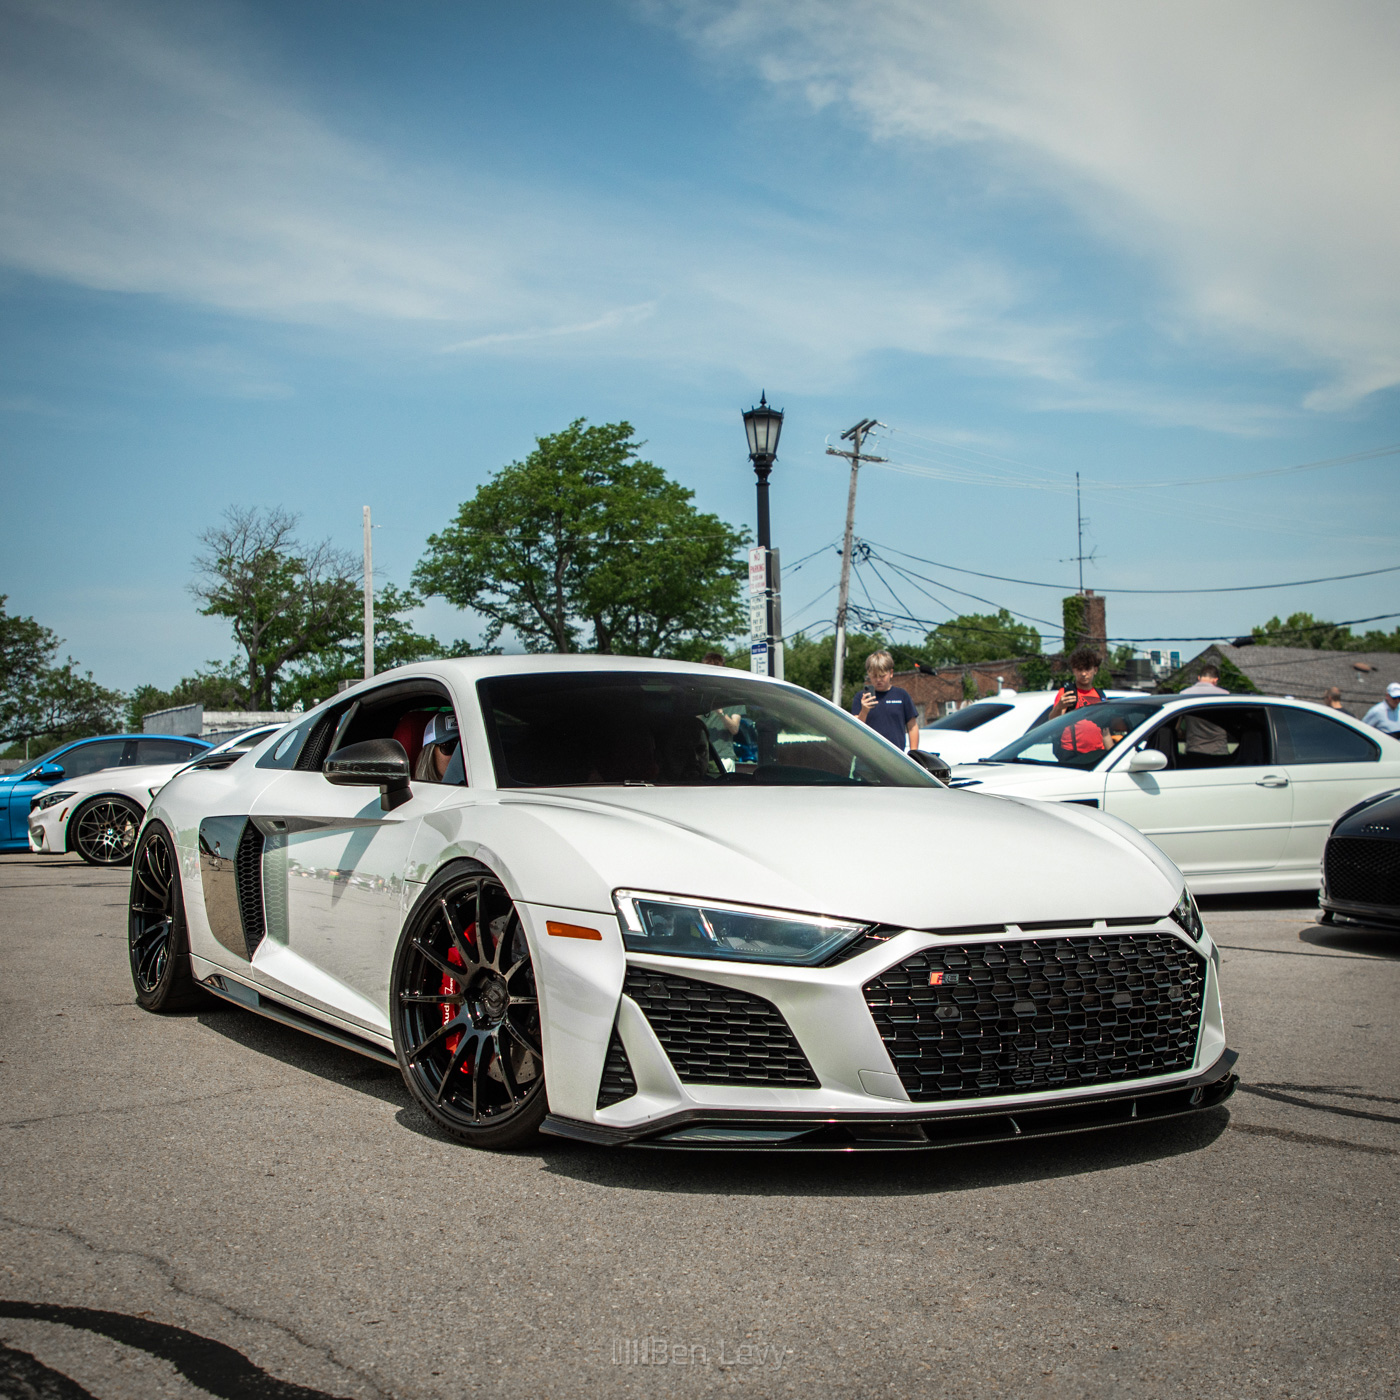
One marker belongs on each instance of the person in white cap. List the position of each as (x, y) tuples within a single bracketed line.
[(1385, 714), (441, 744)]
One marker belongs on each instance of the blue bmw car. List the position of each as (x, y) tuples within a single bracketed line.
[(73, 761)]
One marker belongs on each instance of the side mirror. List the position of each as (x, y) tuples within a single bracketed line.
[(47, 773), (1147, 761), (381, 763), (931, 763)]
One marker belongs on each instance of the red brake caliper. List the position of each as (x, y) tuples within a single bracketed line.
[(451, 989)]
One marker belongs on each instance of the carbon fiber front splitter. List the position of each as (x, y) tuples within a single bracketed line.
[(709, 1129)]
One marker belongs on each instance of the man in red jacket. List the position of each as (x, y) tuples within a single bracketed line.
[(1083, 736)]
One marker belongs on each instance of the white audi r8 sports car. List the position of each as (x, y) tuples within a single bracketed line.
[(99, 814), (530, 883)]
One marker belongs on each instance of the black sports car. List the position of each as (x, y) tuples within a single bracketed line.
[(1361, 864)]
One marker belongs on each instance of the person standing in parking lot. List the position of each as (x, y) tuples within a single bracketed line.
[(887, 708), (1385, 715), (1084, 735)]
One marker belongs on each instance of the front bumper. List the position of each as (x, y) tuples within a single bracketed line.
[(818, 1132)]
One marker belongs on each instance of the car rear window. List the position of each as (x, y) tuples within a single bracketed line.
[(961, 721), (1305, 737)]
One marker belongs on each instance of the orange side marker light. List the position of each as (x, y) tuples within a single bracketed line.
[(572, 931)]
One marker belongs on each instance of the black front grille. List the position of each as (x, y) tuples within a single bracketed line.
[(618, 1082), (1361, 871), (247, 865), (716, 1035), (1049, 1013)]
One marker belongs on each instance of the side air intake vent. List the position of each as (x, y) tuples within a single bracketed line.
[(716, 1035), (618, 1080), (248, 868)]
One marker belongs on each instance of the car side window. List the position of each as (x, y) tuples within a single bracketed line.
[(420, 718), (1305, 737), (88, 758), (166, 750), (1221, 736)]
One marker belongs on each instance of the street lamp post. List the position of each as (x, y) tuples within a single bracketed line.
[(763, 425)]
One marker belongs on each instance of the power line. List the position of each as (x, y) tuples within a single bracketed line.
[(1242, 588)]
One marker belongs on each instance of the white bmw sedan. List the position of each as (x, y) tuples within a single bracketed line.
[(99, 814), (530, 883), (1239, 790), (981, 728)]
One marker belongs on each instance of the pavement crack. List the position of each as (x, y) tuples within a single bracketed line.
[(213, 1366), (1263, 1093), (170, 1274), (1341, 1091), (1314, 1139), (1299, 953), (135, 1108)]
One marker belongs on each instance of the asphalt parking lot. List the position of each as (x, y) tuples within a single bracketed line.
[(209, 1203)]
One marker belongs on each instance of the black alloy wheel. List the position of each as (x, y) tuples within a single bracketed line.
[(103, 831), (466, 1014), (156, 932)]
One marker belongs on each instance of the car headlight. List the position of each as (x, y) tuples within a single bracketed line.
[(46, 800), (1189, 917), (693, 928)]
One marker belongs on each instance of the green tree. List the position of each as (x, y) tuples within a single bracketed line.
[(42, 698), (585, 547), (285, 601), (216, 688), (395, 644), (975, 637), (1304, 630), (808, 661)]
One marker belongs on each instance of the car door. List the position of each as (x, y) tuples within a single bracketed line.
[(1331, 765), (1213, 814), (333, 865), (76, 762)]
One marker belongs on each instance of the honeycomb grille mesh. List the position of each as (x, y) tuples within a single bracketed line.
[(247, 865), (993, 1018), (716, 1035), (618, 1082), (1362, 871)]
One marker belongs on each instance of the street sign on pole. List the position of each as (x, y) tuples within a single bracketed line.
[(765, 613)]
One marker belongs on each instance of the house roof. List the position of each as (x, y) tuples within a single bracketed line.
[(1308, 673)]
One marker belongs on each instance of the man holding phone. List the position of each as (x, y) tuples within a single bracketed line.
[(884, 706), (1084, 736)]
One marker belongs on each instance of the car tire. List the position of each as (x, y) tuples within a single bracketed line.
[(103, 830), (468, 1042), (157, 935)]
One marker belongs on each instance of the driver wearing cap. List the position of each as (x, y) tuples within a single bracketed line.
[(1386, 715), (440, 742)]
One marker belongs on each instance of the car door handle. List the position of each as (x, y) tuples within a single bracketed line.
[(1271, 780)]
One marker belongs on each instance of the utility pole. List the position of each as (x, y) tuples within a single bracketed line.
[(855, 436), (369, 602), (1079, 517)]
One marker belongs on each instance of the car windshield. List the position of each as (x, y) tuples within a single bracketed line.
[(968, 718), (656, 729), (1082, 737)]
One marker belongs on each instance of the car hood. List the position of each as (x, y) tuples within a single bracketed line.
[(135, 780), (915, 858), (1027, 778)]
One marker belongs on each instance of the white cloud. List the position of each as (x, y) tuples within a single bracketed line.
[(1246, 146), (148, 150)]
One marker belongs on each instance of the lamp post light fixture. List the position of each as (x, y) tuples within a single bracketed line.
[(764, 425)]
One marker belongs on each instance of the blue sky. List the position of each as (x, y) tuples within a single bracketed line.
[(338, 253)]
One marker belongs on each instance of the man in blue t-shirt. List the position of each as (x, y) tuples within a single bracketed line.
[(886, 708)]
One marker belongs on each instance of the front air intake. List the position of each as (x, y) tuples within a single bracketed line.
[(717, 1035), (978, 1019)]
